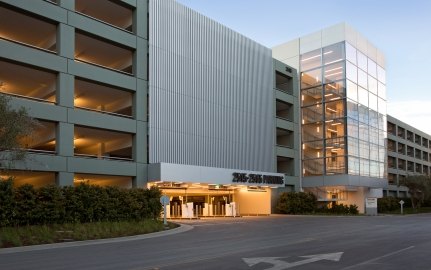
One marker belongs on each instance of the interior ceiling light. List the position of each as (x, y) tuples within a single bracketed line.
[(312, 57), (329, 70), (333, 74)]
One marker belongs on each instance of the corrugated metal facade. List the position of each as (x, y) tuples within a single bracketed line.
[(210, 93)]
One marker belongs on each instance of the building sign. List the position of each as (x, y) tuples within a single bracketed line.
[(371, 202), (257, 179)]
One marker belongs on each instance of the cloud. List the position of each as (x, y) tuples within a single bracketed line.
[(416, 113)]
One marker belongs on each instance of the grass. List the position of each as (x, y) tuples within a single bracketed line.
[(47, 234), (409, 211)]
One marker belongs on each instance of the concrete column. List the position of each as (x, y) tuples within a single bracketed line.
[(141, 59), (140, 21), (140, 101), (141, 178), (65, 90), (64, 179), (67, 4), (140, 143), (65, 139), (66, 43)]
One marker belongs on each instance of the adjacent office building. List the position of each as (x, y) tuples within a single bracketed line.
[(409, 153), (137, 94)]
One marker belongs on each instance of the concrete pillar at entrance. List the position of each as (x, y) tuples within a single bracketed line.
[(168, 211), (206, 210), (228, 212), (187, 210), (233, 207), (64, 179), (210, 210)]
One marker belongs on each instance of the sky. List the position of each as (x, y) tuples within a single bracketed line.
[(401, 29)]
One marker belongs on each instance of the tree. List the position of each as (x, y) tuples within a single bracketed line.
[(419, 189), (14, 125)]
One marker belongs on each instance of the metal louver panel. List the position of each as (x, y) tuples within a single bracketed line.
[(210, 93)]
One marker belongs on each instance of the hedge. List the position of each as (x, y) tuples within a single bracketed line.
[(341, 209), (296, 203), (387, 204), (26, 205), (306, 203)]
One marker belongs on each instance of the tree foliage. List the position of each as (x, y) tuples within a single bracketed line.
[(419, 189), (14, 125)]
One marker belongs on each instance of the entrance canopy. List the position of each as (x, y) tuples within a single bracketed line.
[(168, 172)]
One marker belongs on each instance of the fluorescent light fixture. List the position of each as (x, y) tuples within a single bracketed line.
[(333, 61), (329, 121), (332, 74), (335, 124), (309, 58), (330, 109), (328, 95), (329, 70), (332, 130)]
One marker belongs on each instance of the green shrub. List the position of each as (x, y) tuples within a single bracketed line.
[(353, 209), (26, 201), (296, 203), (341, 209), (50, 205), (84, 203), (387, 204), (7, 202)]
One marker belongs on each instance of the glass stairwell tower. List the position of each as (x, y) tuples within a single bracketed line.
[(343, 114)]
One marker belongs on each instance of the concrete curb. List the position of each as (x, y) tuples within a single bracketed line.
[(181, 229)]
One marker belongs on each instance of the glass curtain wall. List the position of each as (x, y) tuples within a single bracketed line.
[(343, 101)]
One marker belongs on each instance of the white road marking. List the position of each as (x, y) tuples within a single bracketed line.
[(378, 258), (280, 265)]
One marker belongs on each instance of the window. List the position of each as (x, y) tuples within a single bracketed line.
[(115, 13), (103, 98), (351, 72), (283, 82), (311, 78), (27, 29), (42, 139), (311, 96), (285, 138), (98, 51), (27, 82), (381, 74), (311, 60), (333, 53), (102, 143), (351, 53), (372, 68), (334, 72), (362, 61)]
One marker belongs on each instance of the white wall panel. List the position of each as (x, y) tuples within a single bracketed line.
[(210, 93)]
